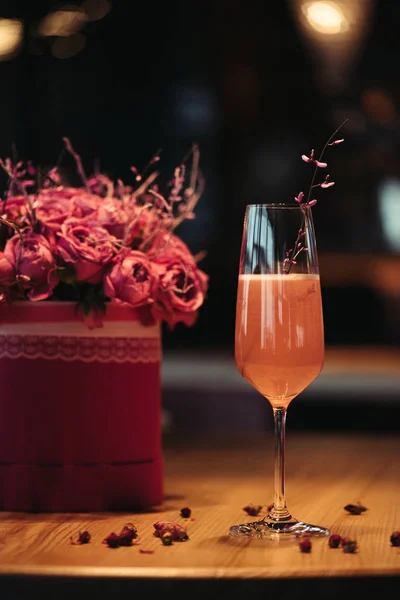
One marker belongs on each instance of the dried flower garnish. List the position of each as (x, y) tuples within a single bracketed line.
[(355, 509), (186, 512), (125, 538), (112, 540), (252, 509), (395, 538), (305, 545), (169, 529), (83, 538), (127, 535), (334, 540), (299, 246), (350, 546), (146, 551), (167, 538)]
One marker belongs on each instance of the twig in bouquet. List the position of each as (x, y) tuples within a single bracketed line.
[(136, 194), (155, 158), (199, 256), (134, 221), (78, 161), (7, 168), (192, 194), (146, 183)]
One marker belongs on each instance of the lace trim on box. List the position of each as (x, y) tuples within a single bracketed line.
[(84, 349)]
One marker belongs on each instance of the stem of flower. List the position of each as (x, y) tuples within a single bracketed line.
[(321, 156)]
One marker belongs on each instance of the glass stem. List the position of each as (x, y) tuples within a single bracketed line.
[(279, 511)]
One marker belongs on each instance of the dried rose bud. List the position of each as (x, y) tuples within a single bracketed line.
[(176, 530), (252, 509), (350, 546), (186, 512), (84, 537), (128, 533), (112, 540), (344, 541), (355, 509), (334, 540), (166, 538), (395, 538), (305, 545)]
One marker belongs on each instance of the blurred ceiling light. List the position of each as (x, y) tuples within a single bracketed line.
[(67, 47), (325, 17), (334, 33), (96, 9), (63, 22), (11, 31)]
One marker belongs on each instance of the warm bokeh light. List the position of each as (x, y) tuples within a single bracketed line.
[(325, 17), (11, 31), (66, 47), (63, 22), (96, 9)]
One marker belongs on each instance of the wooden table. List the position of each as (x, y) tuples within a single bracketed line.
[(216, 478)]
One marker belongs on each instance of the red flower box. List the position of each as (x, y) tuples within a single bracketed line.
[(80, 410)]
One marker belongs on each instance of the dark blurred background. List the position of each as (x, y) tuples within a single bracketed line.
[(255, 84)]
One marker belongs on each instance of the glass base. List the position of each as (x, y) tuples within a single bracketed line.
[(269, 529)]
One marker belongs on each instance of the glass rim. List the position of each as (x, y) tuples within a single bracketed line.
[(279, 205)]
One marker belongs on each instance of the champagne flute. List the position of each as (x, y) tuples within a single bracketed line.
[(279, 334)]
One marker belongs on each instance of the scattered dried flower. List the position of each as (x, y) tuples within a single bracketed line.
[(344, 541), (395, 538), (252, 509), (305, 545), (127, 535), (186, 512), (112, 540), (355, 509), (334, 540), (83, 538), (146, 551), (177, 532), (166, 538), (350, 546)]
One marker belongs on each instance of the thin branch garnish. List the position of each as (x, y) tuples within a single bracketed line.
[(299, 247)]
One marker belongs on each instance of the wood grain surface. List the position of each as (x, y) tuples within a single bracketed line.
[(216, 478)]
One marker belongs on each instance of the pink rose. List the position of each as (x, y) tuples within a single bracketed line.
[(132, 280), (87, 246), (167, 246), (112, 216), (52, 209), (14, 208), (60, 192), (182, 290), (7, 271), (34, 262), (85, 204)]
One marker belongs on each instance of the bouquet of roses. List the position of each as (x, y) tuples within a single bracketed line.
[(101, 242)]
